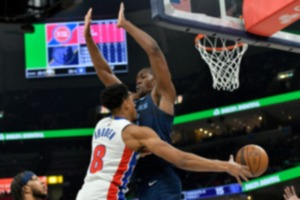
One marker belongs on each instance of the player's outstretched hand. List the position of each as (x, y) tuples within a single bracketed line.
[(121, 16), (238, 171), (87, 22), (290, 193)]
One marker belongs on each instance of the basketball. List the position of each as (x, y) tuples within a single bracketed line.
[(255, 157)]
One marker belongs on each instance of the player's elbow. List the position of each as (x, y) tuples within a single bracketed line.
[(154, 48)]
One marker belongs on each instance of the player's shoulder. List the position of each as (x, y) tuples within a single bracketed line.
[(111, 122), (137, 131), (132, 129)]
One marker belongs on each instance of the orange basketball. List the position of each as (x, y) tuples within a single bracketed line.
[(255, 157)]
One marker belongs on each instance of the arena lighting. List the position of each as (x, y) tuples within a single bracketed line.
[(52, 180), (1, 114), (102, 110), (178, 99), (63, 133), (285, 75)]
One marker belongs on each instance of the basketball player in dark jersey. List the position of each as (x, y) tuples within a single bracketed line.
[(155, 96)]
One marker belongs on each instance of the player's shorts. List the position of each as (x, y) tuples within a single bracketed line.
[(163, 185)]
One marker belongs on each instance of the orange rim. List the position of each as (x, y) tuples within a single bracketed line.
[(201, 36)]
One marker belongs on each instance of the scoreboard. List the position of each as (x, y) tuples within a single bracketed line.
[(59, 49)]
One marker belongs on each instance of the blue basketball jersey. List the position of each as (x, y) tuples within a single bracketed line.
[(161, 122)]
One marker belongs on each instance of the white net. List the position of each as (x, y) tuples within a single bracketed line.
[(223, 58)]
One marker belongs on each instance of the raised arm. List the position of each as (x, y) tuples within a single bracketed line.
[(290, 193), (159, 66), (136, 137), (102, 68)]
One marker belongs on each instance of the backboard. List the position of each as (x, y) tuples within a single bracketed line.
[(222, 18)]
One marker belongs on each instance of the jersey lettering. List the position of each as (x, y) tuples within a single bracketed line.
[(97, 162)]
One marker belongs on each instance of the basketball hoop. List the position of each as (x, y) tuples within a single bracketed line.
[(223, 58)]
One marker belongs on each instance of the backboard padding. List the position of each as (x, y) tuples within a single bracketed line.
[(164, 14)]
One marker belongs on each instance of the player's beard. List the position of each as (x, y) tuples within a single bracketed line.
[(38, 194)]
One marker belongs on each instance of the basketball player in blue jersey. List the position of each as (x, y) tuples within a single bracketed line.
[(115, 147), (155, 96)]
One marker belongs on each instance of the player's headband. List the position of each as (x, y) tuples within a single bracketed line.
[(27, 176)]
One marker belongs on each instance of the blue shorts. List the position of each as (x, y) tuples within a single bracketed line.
[(165, 185)]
